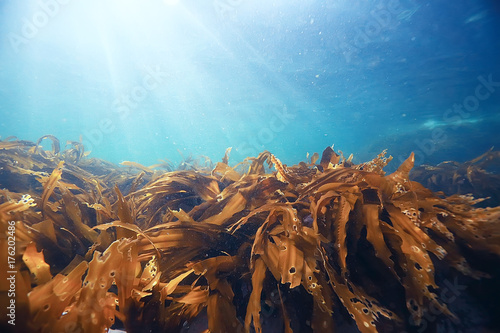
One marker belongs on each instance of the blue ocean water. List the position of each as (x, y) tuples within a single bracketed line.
[(144, 80)]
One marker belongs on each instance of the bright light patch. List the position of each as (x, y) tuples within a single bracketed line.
[(171, 2), (431, 124)]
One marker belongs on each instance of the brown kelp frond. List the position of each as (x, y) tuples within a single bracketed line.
[(99, 246), (75, 153), (377, 164), (49, 184), (478, 177), (172, 191), (224, 172), (201, 163), (296, 175), (258, 166), (9, 206), (225, 159), (329, 158), (14, 143), (164, 164), (314, 158), (361, 307), (137, 166), (90, 306), (49, 302)]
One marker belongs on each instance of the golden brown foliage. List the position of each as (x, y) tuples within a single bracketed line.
[(98, 244), (479, 177)]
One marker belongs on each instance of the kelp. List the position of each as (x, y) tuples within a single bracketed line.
[(239, 248), (479, 177)]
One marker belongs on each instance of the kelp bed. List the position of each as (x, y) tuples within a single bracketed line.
[(479, 176), (320, 246)]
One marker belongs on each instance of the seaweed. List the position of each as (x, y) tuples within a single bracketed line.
[(478, 177), (156, 249)]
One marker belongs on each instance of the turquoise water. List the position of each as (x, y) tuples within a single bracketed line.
[(145, 80)]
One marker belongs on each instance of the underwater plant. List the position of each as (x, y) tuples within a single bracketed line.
[(478, 177), (234, 249)]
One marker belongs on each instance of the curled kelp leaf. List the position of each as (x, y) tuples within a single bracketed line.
[(56, 147), (75, 153)]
